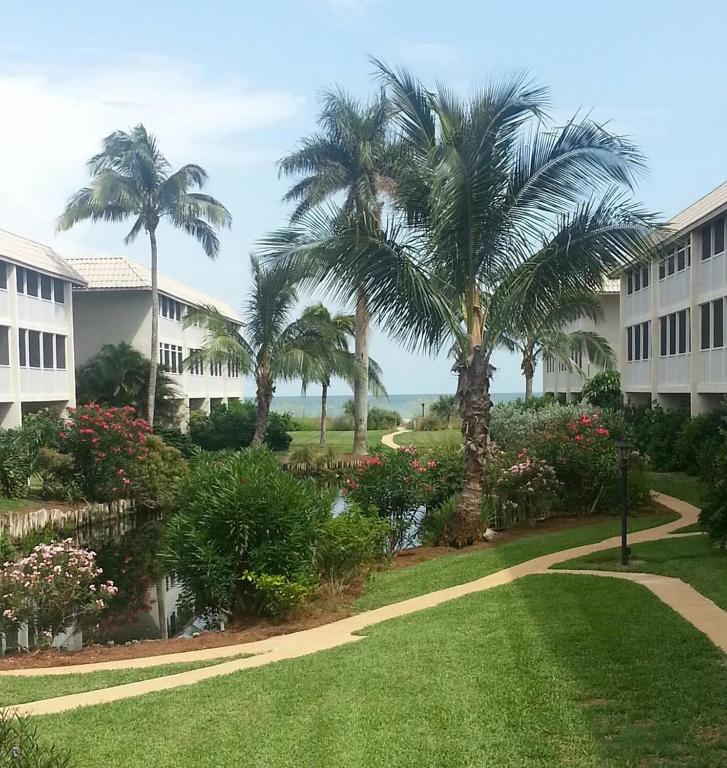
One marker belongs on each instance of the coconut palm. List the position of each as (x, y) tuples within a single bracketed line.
[(118, 375), (332, 357), (131, 178), (349, 156), (486, 206), (268, 345), (541, 334)]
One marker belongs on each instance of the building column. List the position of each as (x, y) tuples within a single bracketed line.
[(11, 415), (655, 361), (694, 322)]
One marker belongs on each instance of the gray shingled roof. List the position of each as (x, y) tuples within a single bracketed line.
[(28, 253), (116, 273), (700, 210)]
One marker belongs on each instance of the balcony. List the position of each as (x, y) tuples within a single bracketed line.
[(712, 370), (637, 375)]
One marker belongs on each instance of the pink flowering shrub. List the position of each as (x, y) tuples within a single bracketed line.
[(525, 491), (393, 485), (57, 586), (107, 445)]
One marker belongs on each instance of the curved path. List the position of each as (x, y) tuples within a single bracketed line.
[(388, 440), (685, 600)]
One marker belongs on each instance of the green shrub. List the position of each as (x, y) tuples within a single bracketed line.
[(524, 492), (232, 426), (241, 517), (378, 418), (350, 543), (604, 390), (713, 516), (430, 423), (159, 476), (175, 438), (655, 432), (57, 472), (699, 443), (435, 530), (21, 746), (446, 477)]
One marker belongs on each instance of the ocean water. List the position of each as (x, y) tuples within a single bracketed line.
[(408, 406)]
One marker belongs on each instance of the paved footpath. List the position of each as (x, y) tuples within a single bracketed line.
[(388, 440), (685, 600)]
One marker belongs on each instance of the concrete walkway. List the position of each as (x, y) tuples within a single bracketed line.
[(686, 601), (388, 440)]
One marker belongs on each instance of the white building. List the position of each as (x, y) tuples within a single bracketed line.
[(115, 305), (673, 314), (36, 329), (568, 385)]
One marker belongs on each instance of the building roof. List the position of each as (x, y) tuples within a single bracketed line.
[(611, 285), (702, 209), (28, 253), (118, 273)]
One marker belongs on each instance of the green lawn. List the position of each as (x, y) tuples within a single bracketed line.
[(692, 559), (339, 441), (391, 586), (18, 690), (552, 671), (430, 439), (680, 485), (11, 505)]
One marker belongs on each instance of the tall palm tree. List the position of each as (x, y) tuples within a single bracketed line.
[(486, 205), (131, 178), (268, 346), (118, 375), (332, 357), (541, 333), (350, 155), (444, 407)]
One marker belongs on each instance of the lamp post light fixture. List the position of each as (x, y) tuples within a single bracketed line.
[(624, 448)]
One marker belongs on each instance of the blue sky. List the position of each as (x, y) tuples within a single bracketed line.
[(233, 85)]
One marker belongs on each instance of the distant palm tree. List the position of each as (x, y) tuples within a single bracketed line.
[(268, 346), (350, 155), (445, 406), (118, 375), (130, 177), (485, 204), (332, 357), (541, 334)]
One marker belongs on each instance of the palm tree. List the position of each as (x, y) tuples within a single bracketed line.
[(541, 333), (130, 177), (332, 358), (484, 209), (272, 348), (118, 375), (444, 407), (350, 156)]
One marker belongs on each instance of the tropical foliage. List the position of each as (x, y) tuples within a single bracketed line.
[(604, 390), (232, 426), (486, 205), (118, 375), (131, 179)]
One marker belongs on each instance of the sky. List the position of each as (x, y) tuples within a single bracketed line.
[(233, 86)]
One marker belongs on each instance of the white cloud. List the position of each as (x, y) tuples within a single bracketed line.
[(53, 121)]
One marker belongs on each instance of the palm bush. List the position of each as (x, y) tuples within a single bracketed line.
[(232, 426), (22, 745)]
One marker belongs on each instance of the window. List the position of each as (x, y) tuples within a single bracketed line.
[(170, 308), (22, 347), (674, 333), (637, 341), (3, 275), (706, 325), (59, 291), (662, 270), (31, 282), (215, 369), (34, 349), (549, 365), (670, 265), (713, 239), (636, 279), (46, 287), (678, 260), (645, 277), (233, 370), (196, 366), (48, 349), (712, 324), (630, 282), (20, 279), (683, 332), (4, 345), (663, 334), (60, 352), (170, 356)]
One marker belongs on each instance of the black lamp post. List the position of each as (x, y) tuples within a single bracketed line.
[(624, 448)]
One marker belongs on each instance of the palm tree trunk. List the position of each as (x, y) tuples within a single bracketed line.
[(162, 607), (154, 356), (264, 398), (324, 409), (528, 369), (361, 383), (474, 406)]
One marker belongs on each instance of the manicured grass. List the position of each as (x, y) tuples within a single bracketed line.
[(692, 559), (339, 441), (680, 485), (391, 586), (19, 690), (551, 671), (11, 505), (424, 440), (692, 528)]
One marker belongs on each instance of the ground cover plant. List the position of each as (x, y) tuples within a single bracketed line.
[(594, 672)]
